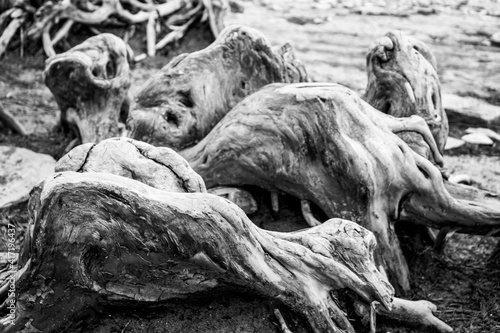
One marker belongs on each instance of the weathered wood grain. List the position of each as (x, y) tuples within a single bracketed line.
[(179, 105), (90, 84), (322, 143)]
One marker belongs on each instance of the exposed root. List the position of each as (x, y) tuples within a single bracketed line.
[(419, 313), (460, 179), (87, 13), (275, 203), (63, 32), (18, 17), (308, 216), (444, 234), (282, 323), (417, 124)]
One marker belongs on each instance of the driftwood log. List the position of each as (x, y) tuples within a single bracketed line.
[(90, 83), (181, 104), (323, 144), (97, 239), (402, 81)]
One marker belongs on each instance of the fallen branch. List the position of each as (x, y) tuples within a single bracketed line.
[(11, 121)]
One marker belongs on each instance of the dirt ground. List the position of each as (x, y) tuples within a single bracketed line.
[(331, 38)]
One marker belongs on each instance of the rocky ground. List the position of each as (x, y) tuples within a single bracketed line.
[(332, 38)]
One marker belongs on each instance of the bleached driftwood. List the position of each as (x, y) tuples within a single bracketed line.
[(403, 81), (179, 105), (90, 83), (97, 239), (322, 143)]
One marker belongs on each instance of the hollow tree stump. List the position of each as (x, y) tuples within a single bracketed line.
[(181, 104), (90, 83)]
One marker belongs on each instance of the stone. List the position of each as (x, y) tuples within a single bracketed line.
[(452, 143), (477, 138), (486, 131), (471, 111), (20, 170), (495, 39)]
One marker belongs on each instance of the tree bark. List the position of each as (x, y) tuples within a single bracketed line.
[(181, 104), (90, 83)]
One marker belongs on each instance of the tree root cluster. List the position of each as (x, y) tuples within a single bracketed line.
[(52, 21)]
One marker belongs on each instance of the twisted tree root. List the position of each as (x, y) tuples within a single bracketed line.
[(322, 143), (95, 239)]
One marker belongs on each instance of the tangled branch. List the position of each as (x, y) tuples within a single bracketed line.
[(52, 21)]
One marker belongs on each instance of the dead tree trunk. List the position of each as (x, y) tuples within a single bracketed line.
[(90, 83), (322, 143), (181, 104)]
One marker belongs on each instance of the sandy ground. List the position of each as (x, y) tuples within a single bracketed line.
[(332, 39)]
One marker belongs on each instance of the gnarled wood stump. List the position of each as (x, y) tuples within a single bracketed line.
[(181, 104), (322, 143), (97, 239), (90, 83), (101, 238), (402, 81)]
